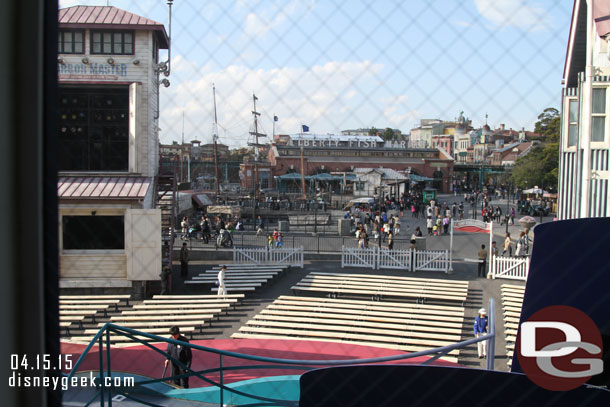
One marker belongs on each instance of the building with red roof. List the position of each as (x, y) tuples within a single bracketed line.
[(109, 76)]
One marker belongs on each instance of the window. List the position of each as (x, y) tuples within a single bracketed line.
[(93, 232), (93, 129), (71, 42), (598, 119), (573, 122), (112, 42), (359, 185)]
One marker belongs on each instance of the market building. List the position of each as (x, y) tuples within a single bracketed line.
[(584, 167), (332, 153), (109, 77)]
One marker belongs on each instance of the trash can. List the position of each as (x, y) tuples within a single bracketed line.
[(283, 226)]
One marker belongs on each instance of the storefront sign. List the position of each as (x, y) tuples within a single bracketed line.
[(351, 143), (92, 71)]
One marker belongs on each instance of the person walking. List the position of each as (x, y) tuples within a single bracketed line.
[(439, 225), (445, 224), (482, 266), (480, 329), (280, 241), (184, 225), (222, 289), (520, 245), (396, 224), (494, 249), (165, 275), (184, 261), (390, 241), (429, 225), (507, 246), (181, 354), (260, 226)]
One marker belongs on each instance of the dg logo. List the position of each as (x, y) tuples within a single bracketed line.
[(560, 348)]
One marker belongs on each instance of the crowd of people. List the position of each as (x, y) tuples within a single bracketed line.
[(205, 229)]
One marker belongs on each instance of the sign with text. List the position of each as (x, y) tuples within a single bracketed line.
[(92, 71)]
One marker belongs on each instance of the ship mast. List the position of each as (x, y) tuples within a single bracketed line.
[(215, 137), (256, 145)]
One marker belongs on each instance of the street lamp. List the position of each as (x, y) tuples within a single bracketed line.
[(507, 207)]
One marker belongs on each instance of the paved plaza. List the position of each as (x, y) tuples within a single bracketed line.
[(466, 246)]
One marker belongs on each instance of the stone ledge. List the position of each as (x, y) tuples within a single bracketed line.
[(94, 283)]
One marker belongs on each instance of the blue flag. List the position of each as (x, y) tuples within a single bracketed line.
[(275, 119), (305, 128)]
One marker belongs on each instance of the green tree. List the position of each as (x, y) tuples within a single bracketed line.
[(540, 167), (548, 124), (388, 134), (372, 131)]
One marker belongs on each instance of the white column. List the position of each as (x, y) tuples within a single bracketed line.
[(587, 100)]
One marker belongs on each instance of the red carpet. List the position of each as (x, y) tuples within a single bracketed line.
[(144, 361)]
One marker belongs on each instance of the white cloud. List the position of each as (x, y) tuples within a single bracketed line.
[(523, 14), (327, 97), (261, 20)]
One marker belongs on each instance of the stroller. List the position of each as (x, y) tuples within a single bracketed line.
[(505, 219), (192, 232), (223, 239)]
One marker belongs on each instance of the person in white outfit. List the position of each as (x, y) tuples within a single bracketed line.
[(222, 290)]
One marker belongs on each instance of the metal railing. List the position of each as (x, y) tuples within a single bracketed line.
[(106, 393), (319, 243)]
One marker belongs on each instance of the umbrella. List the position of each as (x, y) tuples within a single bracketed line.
[(527, 222)]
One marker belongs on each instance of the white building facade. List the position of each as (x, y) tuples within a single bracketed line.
[(585, 122), (109, 76)]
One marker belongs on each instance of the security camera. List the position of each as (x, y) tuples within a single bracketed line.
[(165, 83)]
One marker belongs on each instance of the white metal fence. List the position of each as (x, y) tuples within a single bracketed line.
[(354, 257), (290, 256), (513, 268), (409, 260)]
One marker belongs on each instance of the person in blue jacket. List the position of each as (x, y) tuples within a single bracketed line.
[(480, 329)]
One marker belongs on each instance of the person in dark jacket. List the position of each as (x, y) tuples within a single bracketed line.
[(480, 329), (181, 353), (184, 261)]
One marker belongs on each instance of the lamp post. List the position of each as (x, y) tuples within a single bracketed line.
[(380, 224), (507, 206)]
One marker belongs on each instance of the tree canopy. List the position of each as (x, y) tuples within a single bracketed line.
[(548, 124), (540, 167), (389, 134)]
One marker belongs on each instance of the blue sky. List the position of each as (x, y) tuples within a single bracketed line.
[(334, 65)]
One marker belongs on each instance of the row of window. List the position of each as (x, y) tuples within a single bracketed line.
[(101, 42), (598, 117)]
